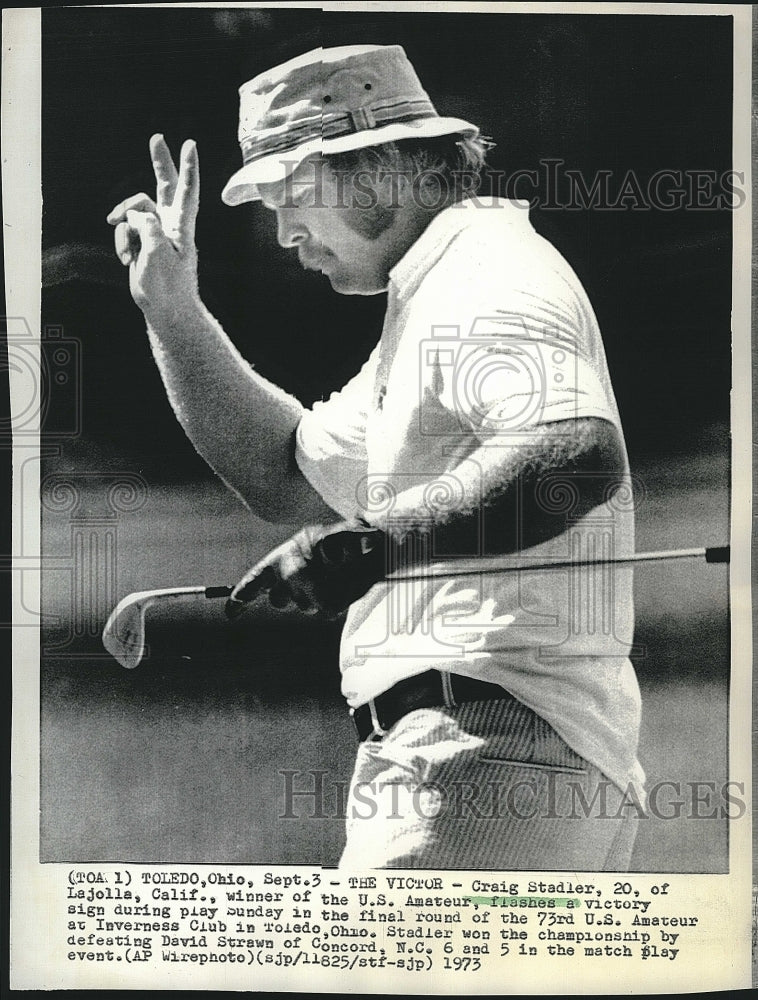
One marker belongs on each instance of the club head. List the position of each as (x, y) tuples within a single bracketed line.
[(124, 632)]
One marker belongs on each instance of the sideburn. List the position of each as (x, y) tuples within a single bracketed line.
[(372, 203), (371, 221)]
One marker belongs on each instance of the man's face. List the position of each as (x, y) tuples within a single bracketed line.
[(353, 234)]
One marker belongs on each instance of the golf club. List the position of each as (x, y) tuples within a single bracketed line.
[(124, 632)]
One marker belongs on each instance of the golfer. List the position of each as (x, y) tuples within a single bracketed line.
[(497, 714)]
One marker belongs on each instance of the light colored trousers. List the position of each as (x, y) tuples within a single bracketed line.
[(485, 785)]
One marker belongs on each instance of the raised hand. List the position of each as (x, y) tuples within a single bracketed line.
[(156, 238)]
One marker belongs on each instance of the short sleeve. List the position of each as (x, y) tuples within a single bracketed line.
[(330, 447), (519, 345)]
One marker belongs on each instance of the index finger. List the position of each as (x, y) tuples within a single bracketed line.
[(249, 588), (166, 176)]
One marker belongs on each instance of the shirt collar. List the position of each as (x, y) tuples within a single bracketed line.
[(443, 228)]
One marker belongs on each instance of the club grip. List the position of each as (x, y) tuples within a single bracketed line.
[(717, 554)]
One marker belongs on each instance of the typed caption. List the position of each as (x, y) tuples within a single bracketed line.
[(251, 927)]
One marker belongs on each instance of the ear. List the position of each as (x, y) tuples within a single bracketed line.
[(431, 190), (393, 190)]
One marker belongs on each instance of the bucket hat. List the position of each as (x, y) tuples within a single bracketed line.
[(330, 101)]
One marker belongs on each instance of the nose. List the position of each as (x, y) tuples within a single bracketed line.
[(290, 231)]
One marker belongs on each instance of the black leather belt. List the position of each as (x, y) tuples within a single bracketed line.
[(428, 690)]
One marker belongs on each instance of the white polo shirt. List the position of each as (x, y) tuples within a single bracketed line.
[(488, 334)]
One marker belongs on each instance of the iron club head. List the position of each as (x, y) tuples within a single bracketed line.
[(124, 632)]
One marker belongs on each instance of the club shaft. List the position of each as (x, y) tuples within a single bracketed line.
[(505, 564)]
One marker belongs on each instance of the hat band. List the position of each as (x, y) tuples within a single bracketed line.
[(335, 125)]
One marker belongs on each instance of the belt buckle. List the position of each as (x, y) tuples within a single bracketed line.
[(377, 730)]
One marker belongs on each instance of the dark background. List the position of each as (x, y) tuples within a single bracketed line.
[(180, 759)]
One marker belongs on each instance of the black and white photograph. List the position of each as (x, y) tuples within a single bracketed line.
[(383, 453)]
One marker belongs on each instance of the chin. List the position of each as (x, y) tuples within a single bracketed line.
[(345, 284)]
